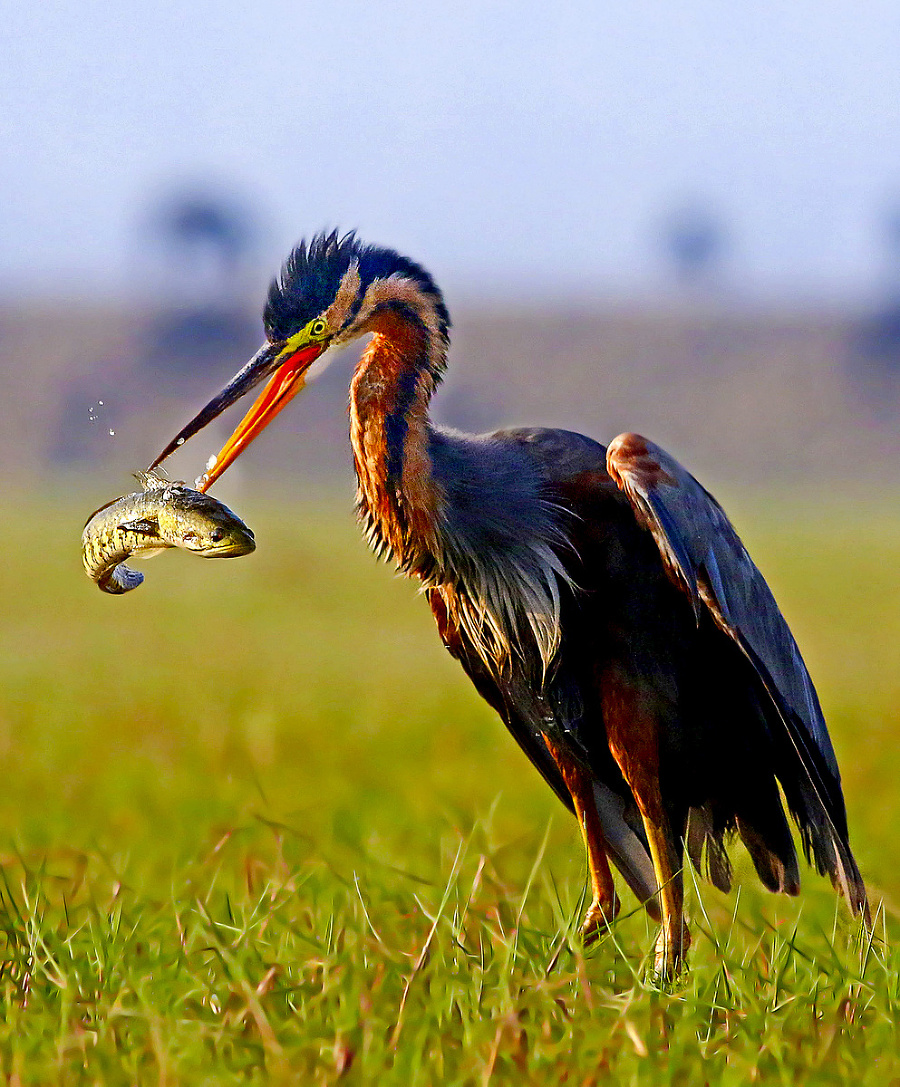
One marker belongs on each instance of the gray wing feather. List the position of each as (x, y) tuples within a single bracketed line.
[(703, 553), (702, 549)]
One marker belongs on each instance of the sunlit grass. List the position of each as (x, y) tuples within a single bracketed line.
[(254, 825)]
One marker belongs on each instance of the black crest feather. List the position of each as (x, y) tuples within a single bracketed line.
[(312, 274)]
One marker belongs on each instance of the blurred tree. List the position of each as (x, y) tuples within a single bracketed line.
[(694, 241), (874, 358), (207, 244)]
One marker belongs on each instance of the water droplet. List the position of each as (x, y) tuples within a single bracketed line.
[(112, 434), (100, 402), (180, 441)]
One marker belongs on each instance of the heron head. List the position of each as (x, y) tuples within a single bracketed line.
[(330, 291)]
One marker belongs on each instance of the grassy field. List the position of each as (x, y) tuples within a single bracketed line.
[(254, 826)]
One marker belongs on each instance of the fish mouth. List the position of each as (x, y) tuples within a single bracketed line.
[(239, 541), (239, 545), (285, 365)]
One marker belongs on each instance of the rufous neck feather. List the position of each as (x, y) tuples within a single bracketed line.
[(389, 426)]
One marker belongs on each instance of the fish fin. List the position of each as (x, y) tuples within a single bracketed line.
[(142, 526), (121, 579), (154, 480)]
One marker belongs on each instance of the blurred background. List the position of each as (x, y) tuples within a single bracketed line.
[(679, 220)]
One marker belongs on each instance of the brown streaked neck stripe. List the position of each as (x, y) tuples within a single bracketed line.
[(389, 399)]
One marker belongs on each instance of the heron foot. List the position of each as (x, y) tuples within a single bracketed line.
[(670, 958), (600, 915)]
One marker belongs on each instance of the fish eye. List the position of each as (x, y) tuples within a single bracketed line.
[(217, 535)]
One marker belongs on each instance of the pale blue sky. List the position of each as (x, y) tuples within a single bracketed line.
[(511, 146)]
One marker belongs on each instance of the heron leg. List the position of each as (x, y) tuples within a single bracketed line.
[(674, 936), (632, 733), (604, 901)]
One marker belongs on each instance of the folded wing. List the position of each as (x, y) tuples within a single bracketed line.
[(703, 554)]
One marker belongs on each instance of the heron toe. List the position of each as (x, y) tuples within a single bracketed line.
[(599, 916)]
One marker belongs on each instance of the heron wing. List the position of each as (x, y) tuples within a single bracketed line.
[(703, 554)]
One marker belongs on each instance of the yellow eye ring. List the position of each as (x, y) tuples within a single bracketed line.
[(318, 327)]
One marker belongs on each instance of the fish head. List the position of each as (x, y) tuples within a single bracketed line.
[(206, 527)]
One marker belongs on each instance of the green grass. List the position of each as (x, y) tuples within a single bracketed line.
[(254, 826)]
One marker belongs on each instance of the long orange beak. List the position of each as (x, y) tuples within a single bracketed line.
[(287, 379)]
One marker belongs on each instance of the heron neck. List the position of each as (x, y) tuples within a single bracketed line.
[(399, 499)]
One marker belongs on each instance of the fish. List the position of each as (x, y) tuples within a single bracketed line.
[(165, 513)]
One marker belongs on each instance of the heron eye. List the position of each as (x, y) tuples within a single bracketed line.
[(318, 327)]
